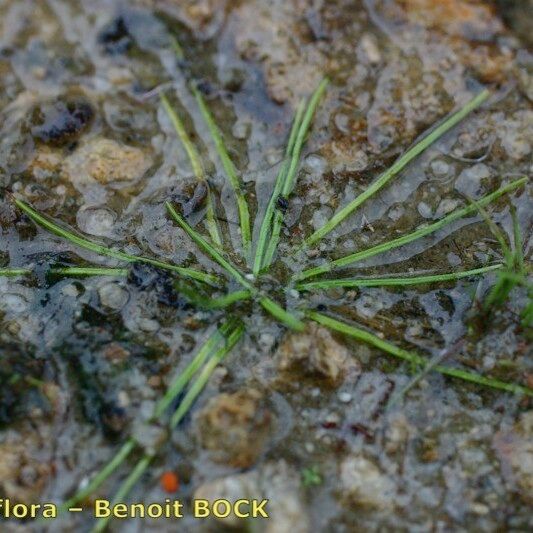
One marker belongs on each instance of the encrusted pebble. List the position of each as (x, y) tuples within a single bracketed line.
[(105, 161), (112, 295), (60, 121), (275, 481), (96, 221), (315, 352), (364, 484), (235, 427)]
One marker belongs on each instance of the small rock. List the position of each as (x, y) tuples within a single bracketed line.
[(369, 49), (276, 482), (425, 210), (149, 325), (345, 397), (315, 164), (315, 352), (235, 427), (470, 180), (115, 37), (13, 303), (155, 382), (96, 221), (60, 121), (446, 206), (45, 162), (115, 353), (22, 477), (398, 432), (364, 484), (113, 295), (105, 161), (440, 168)]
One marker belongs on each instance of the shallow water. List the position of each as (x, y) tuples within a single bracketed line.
[(83, 78)]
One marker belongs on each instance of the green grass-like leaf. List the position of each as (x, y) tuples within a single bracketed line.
[(266, 226), (200, 382), (208, 303), (405, 239), (14, 272), (518, 246), (125, 488), (174, 389), (396, 281), (183, 378), (192, 394), (197, 167), (399, 165), (391, 349), (272, 307), (229, 168), (89, 271), (100, 249), (514, 272), (290, 177), (107, 471), (68, 271)]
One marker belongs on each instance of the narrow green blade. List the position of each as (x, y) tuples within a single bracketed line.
[(418, 234), (197, 167), (368, 338), (100, 249), (396, 281), (229, 168), (266, 225), (399, 165), (290, 176)]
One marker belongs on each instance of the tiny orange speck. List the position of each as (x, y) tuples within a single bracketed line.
[(169, 481)]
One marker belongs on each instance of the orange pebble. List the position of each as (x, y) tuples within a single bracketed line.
[(169, 481)]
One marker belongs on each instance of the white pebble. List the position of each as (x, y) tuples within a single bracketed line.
[(113, 295), (345, 397), (96, 221)]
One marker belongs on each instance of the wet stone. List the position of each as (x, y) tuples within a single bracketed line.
[(364, 484), (96, 221), (114, 37), (22, 477), (316, 353), (105, 161), (235, 427), (275, 481), (470, 181), (113, 296), (61, 121)]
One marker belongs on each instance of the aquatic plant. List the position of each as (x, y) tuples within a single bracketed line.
[(201, 288)]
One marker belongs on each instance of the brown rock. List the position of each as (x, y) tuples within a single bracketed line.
[(105, 161), (277, 482), (22, 476), (234, 427), (316, 353), (364, 484), (464, 18), (115, 353)]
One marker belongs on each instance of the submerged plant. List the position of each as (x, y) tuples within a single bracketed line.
[(208, 291), (514, 272)]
